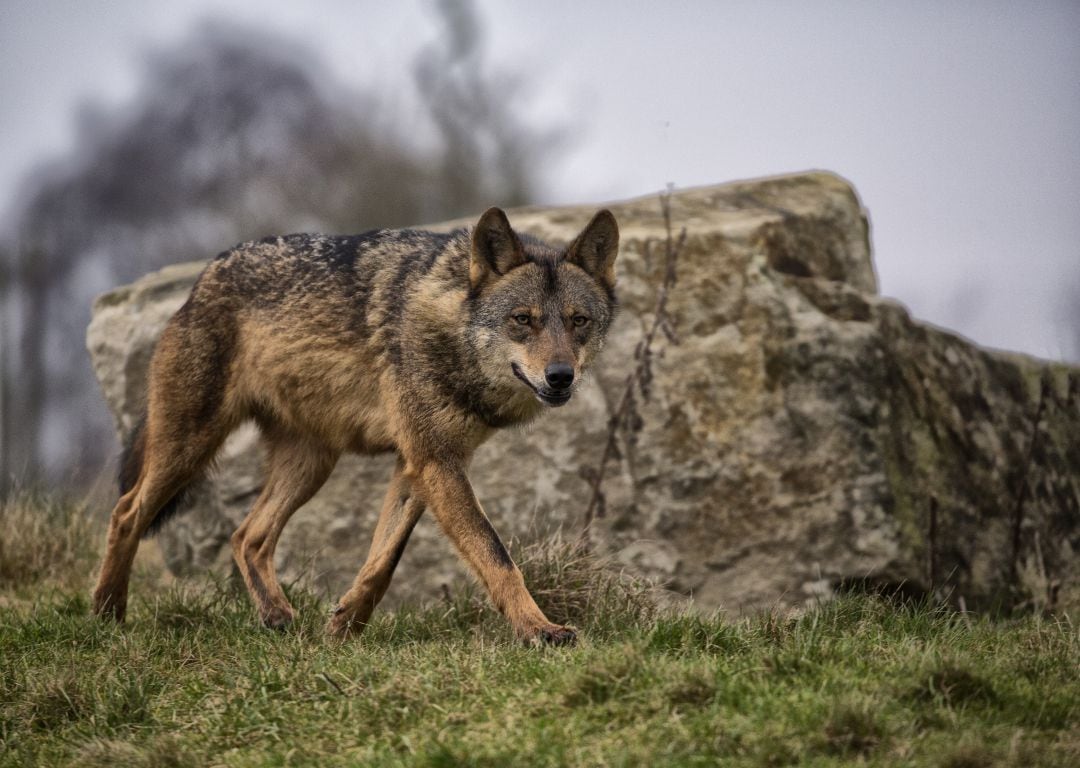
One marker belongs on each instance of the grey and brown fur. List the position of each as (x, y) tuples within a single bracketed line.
[(418, 343)]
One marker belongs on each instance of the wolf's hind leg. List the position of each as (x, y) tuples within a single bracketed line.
[(129, 520), (297, 468), (400, 511), (169, 464)]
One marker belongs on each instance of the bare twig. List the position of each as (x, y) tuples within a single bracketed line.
[(931, 537), (1021, 496), (961, 603), (626, 417), (325, 677)]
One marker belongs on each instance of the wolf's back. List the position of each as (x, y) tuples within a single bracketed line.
[(366, 276)]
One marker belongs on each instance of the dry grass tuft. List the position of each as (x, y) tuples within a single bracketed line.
[(575, 585), (45, 539)]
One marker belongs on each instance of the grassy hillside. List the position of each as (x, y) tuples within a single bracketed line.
[(191, 681)]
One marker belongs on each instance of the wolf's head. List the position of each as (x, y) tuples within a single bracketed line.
[(540, 314)]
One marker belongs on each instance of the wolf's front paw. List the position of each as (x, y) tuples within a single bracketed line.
[(109, 605), (551, 634), (278, 618), (344, 623)]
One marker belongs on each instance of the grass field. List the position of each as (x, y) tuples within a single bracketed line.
[(190, 680)]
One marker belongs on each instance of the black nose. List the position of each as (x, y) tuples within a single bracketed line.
[(559, 375)]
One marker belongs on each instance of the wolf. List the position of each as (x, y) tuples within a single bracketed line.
[(405, 341)]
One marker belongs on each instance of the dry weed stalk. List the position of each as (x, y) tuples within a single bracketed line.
[(627, 419)]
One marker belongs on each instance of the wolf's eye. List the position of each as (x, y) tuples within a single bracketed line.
[(522, 319), (580, 321)]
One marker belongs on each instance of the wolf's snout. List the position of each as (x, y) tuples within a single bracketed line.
[(559, 375)]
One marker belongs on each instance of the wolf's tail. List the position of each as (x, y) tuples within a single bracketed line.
[(131, 465)]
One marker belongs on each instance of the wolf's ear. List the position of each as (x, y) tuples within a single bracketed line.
[(495, 248), (595, 249)]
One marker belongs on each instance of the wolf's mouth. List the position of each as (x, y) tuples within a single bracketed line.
[(551, 397)]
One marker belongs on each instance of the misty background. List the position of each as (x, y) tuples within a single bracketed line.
[(135, 135)]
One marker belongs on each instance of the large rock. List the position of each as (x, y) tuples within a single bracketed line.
[(803, 433)]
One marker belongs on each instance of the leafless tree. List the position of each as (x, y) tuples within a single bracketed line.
[(474, 112)]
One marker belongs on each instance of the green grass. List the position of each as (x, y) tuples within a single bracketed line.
[(190, 680)]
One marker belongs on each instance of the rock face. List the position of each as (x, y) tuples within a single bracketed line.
[(802, 434)]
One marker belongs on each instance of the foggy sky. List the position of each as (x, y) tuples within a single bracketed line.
[(958, 123)]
